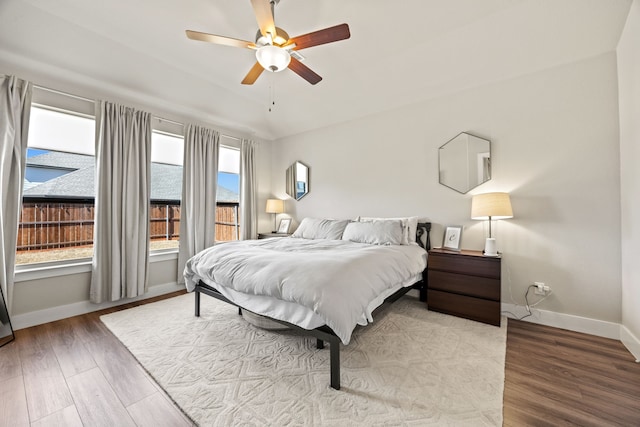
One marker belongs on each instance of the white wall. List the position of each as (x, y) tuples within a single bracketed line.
[(555, 150), (629, 94)]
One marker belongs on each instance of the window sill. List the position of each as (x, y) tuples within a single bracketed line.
[(163, 255), (44, 270)]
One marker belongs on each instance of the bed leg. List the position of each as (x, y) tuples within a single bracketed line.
[(334, 358), (197, 303), (239, 311), (319, 344)]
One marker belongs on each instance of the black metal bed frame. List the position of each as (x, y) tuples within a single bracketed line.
[(324, 333)]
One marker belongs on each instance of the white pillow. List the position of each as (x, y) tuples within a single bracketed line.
[(409, 225), (375, 232), (316, 228)]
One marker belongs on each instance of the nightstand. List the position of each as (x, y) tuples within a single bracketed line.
[(464, 284), (267, 235)]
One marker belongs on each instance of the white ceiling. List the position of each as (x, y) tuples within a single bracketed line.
[(400, 52)]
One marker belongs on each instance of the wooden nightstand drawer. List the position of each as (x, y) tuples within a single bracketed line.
[(472, 308), (465, 264), (481, 287), (465, 284)]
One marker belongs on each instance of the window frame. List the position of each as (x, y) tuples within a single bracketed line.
[(165, 128), (53, 100), (235, 146)]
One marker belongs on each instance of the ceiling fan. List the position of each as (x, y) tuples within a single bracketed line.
[(275, 50)]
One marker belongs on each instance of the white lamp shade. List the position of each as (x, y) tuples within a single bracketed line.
[(273, 58), (491, 205), (275, 206)]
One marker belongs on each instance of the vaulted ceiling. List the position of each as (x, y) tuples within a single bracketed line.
[(400, 52)]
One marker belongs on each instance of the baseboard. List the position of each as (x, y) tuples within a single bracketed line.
[(585, 325), (52, 314), (630, 341)]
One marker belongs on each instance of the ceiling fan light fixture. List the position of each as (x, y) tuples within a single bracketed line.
[(273, 58)]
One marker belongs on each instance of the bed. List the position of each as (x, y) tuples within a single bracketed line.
[(326, 279)]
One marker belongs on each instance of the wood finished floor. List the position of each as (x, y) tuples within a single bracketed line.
[(555, 377), (74, 372)]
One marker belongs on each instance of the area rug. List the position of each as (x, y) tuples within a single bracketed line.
[(410, 367)]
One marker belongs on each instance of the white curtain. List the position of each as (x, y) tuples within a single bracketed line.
[(121, 233), (199, 184), (15, 107), (248, 208)]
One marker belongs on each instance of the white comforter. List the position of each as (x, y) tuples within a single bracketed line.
[(335, 279)]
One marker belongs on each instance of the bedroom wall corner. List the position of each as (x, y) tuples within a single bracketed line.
[(628, 57), (555, 149)]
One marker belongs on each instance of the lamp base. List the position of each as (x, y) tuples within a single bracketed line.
[(490, 247)]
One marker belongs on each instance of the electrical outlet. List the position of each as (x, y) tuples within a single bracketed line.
[(541, 288)]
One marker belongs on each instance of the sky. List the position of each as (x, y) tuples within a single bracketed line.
[(229, 181)]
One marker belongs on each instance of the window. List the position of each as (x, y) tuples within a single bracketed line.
[(228, 193), (167, 151), (166, 191), (57, 217), (56, 221)]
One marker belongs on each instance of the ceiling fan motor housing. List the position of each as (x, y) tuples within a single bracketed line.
[(280, 38)]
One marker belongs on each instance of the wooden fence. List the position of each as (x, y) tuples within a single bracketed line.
[(164, 221), (227, 222), (54, 225)]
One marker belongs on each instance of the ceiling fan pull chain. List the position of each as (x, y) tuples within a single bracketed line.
[(272, 101)]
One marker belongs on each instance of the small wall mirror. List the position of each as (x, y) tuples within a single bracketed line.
[(464, 162), (298, 180)]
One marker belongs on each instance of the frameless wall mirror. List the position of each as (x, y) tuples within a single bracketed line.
[(6, 331), (298, 180), (465, 162)]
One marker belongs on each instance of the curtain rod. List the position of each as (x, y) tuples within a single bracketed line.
[(93, 100), (48, 89), (168, 121), (82, 98)]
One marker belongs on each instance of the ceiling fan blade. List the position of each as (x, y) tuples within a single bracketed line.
[(264, 16), (253, 74), (212, 38), (303, 71), (328, 35)]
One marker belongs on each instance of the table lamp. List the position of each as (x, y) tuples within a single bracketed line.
[(491, 206), (275, 206)]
